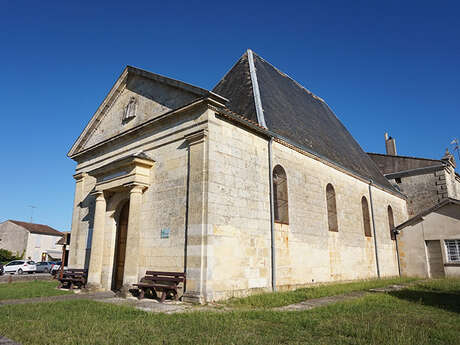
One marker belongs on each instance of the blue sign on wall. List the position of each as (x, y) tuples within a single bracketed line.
[(164, 233)]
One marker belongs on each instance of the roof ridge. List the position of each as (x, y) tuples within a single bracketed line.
[(256, 90), (292, 79), (399, 156)]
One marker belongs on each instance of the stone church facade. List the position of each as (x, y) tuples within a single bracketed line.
[(253, 186)]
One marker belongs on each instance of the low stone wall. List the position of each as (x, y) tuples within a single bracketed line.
[(7, 278)]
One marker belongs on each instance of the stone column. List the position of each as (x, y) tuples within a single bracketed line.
[(97, 242), (196, 249), (74, 251), (132, 241)]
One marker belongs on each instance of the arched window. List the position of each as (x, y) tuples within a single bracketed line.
[(366, 217), (391, 222), (280, 195), (331, 208)]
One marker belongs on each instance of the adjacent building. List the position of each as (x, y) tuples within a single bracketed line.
[(425, 182), (37, 242), (429, 243), (253, 186)]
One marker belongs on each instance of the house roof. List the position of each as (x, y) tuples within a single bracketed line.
[(37, 228), (267, 96), (418, 217), (389, 164)]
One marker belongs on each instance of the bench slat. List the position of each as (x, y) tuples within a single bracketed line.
[(178, 274)]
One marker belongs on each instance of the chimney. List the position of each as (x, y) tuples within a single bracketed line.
[(390, 145)]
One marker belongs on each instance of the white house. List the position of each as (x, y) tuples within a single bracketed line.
[(29, 240)]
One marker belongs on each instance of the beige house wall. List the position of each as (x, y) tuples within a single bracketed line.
[(437, 226), (39, 243), (13, 238)]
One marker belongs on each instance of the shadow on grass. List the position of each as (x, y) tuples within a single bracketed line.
[(444, 300)]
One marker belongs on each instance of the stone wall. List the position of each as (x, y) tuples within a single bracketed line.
[(163, 202), (306, 252), (423, 191)]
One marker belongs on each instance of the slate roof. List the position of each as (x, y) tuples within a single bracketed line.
[(389, 164), (289, 110), (38, 228)]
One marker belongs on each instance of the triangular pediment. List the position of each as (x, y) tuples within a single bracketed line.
[(137, 97)]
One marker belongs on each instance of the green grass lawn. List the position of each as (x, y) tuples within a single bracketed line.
[(425, 314), (278, 299), (35, 288)]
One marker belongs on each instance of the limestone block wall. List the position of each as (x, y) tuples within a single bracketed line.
[(238, 211), (163, 202), (423, 191), (316, 254), (306, 252)]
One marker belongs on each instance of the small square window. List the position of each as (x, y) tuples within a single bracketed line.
[(453, 250)]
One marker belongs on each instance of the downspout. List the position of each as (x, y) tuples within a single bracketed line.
[(272, 215), (373, 226), (396, 232)]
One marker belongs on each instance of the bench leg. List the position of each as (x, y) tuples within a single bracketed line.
[(70, 286), (163, 296), (141, 294), (176, 296)]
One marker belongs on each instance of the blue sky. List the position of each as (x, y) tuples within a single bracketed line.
[(381, 66)]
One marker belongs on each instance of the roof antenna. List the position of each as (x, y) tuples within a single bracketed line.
[(32, 212), (456, 147)]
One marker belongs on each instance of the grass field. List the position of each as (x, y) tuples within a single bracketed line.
[(426, 313), (36, 288), (278, 299)]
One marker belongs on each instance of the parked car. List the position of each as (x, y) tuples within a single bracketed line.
[(55, 266), (19, 267), (43, 267)]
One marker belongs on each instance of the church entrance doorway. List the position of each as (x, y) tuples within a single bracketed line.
[(120, 248)]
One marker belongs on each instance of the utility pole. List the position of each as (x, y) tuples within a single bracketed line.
[(32, 212)]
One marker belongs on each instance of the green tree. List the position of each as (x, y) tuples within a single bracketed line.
[(6, 255)]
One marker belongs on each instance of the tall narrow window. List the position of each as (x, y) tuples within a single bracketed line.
[(331, 208), (391, 222), (280, 195), (366, 217)]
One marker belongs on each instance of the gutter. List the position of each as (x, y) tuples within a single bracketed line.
[(373, 226), (272, 215), (396, 232)]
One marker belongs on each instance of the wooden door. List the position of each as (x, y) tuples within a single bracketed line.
[(120, 248), (435, 263)]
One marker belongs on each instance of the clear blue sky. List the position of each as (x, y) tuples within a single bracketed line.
[(381, 66)]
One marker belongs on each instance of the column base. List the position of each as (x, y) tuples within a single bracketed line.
[(193, 297), (94, 287)]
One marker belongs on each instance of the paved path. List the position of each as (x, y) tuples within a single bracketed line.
[(319, 302), (6, 341)]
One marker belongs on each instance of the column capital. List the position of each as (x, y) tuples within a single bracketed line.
[(196, 137), (136, 188), (80, 176), (99, 195)]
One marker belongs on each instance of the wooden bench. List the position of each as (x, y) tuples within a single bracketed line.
[(73, 276), (166, 282)]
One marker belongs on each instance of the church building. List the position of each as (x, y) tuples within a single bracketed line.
[(253, 186)]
